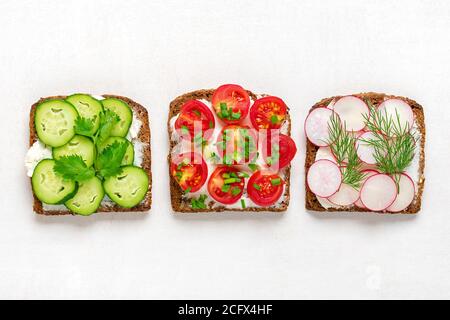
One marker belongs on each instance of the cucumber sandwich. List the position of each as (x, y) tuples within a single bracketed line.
[(89, 154)]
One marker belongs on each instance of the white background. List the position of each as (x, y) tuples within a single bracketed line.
[(154, 51)]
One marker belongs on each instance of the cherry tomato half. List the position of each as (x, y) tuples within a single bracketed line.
[(278, 150), (265, 188), (231, 103), (268, 113), (237, 144), (189, 170), (195, 115), (226, 184)]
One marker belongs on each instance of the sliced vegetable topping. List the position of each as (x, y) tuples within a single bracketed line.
[(324, 178), (268, 113), (78, 145), (123, 111), (88, 197), (226, 184), (278, 150), (399, 111), (237, 145), (231, 103), (189, 170), (88, 108), (316, 126), (50, 187), (128, 188), (352, 111), (54, 122), (265, 188), (195, 121), (378, 192)]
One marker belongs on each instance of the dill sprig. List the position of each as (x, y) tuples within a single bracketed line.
[(394, 146), (342, 144)]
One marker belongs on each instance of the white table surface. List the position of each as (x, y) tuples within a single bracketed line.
[(153, 51)]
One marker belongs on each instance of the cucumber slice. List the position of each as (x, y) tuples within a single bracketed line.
[(87, 107), (129, 188), (123, 111), (78, 145), (54, 122), (49, 187), (128, 158), (88, 197)]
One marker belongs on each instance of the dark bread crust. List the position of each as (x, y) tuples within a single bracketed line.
[(311, 202), (144, 136), (179, 203)]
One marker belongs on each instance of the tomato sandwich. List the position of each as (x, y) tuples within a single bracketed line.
[(230, 150), (365, 153)]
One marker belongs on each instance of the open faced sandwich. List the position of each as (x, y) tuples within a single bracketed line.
[(89, 154), (230, 150), (365, 152)]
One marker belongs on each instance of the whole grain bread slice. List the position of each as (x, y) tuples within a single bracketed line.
[(311, 202), (181, 204), (144, 137)]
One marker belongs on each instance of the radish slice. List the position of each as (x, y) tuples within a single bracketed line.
[(405, 195), (392, 107), (316, 126), (345, 196), (352, 110), (324, 178), (324, 153), (378, 192), (368, 173), (365, 151), (324, 202)]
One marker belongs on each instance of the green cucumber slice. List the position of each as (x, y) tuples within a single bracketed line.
[(80, 146), (48, 186), (87, 107), (128, 158), (123, 111), (129, 188), (88, 197), (54, 122)]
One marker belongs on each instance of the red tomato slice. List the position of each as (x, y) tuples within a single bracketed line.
[(237, 144), (265, 188), (195, 115), (268, 113), (231, 103), (189, 170), (278, 150), (226, 184)]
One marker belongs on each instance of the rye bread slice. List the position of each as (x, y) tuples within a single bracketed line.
[(311, 202), (181, 204), (144, 137)]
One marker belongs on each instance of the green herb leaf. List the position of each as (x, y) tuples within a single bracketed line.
[(274, 119), (73, 168), (110, 159), (257, 186), (84, 126), (226, 188), (187, 190), (275, 182), (108, 119), (243, 203), (235, 191), (253, 167), (199, 203)]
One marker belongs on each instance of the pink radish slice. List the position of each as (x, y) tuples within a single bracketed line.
[(365, 151), (368, 173), (405, 195), (345, 196), (392, 107), (324, 178), (316, 126), (378, 192), (352, 110), (324, 153)]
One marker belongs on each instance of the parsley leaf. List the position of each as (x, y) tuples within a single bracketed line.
[(84, 126), (108, 119), (110, 159), (73, 168)]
